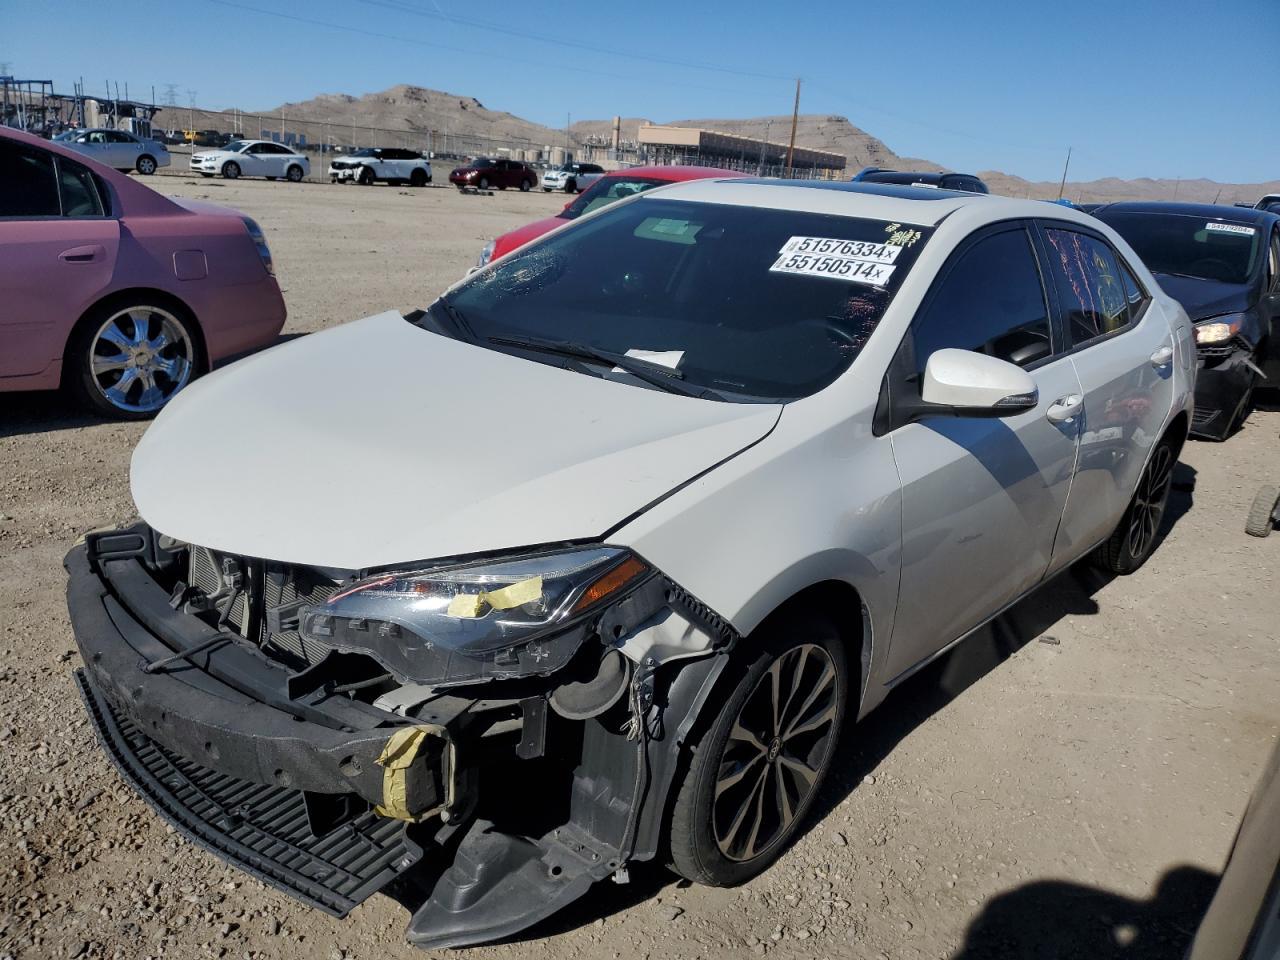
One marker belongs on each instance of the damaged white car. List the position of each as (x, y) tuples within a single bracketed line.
[(589, 562)]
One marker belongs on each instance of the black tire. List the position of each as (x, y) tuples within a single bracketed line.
[(146, 165), (718, 787), (231, 170), (418, 178), (294, 174), (365, 177), (571, 186), (546, 189), (484, 183), (273, 178), (162, 319), (1259, 522), (208, 175), (1136, 535), (525, 186)]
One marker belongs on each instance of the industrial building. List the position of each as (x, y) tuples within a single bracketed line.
[(688, 145)]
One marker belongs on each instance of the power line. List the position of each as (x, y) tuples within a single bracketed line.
[(346, 28), (402, 6)]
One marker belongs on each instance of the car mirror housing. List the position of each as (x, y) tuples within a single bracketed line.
[(966, 383)]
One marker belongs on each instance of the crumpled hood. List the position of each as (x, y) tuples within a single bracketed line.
[(378, 443), (1203, 299)]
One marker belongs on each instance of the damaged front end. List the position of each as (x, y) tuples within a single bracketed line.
[(483, 740)]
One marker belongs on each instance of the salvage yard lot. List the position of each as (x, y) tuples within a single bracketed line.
[(1066, 783)]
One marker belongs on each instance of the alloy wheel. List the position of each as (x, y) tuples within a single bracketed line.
[(139, 358), (1149, 502), (778, 746), (146, 166)]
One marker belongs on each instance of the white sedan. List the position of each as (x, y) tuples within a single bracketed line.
[(252, 158), (117, 149)]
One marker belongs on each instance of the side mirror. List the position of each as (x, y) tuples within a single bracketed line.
[(972, 384)]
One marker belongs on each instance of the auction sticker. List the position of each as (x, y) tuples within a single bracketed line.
[(1231, 228), (833, 267), (846, 249)]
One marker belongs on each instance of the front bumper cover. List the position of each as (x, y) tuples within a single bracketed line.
[(249, 761)]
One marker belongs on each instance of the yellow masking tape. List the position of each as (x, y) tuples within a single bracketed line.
[(471, 605), (396, 758)]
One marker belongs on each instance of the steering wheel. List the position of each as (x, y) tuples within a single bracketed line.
[(1201, 268), (835, 331)]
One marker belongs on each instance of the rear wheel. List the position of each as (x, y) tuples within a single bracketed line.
[(128, 361), (231, 170), (757, 767), (146, 165), (526, 186), (1135, 537)]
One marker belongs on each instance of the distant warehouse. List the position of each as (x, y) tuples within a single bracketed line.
[(687, 145)]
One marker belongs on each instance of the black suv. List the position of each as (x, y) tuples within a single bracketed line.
[(965, 182)]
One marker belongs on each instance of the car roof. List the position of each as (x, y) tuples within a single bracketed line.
[(674, 173), (1212, 211)]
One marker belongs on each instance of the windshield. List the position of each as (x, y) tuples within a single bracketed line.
[(1190, 246), (606, 191), (751, 303), (480, 163)]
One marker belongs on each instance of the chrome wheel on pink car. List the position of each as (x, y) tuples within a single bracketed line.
[(139, 358)]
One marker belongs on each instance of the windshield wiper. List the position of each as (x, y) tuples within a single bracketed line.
[(654, 374), (457, 318)]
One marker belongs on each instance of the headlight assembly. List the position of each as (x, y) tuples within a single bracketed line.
[(1220, 329), (503, 618), (486, 254)]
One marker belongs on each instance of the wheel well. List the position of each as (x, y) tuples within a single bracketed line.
[(120, 298), (1179, 428), (843, 604)]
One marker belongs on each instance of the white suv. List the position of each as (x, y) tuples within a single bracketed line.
[(572, 177), (389, 164)]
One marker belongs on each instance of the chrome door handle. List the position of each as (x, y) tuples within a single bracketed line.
[(1162, 356), (1064, 408)]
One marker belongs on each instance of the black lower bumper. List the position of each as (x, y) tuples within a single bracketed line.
[(264, 830), (1221, 388)]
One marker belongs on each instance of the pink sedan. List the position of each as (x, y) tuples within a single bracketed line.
[(116, 292)]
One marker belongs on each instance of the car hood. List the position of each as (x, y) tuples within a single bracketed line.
[(1203, 299), (530, 231), (378, 442)]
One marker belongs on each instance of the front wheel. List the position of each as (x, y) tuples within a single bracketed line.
[(484, 183), (365, 178), (146, 165), (294, 174), (1134, 538), (418, 178), (571, 186), (129, 361), (231, 170), (756, 769)]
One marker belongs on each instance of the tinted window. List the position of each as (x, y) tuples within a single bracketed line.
[(80, 196), (1132, 291), (115, 136), (28, 185), (991, 301), (1090, 285), (706, 286)]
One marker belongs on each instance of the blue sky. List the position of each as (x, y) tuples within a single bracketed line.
[(1159, 88)]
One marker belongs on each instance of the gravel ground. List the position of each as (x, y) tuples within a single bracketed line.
[(1066, 784)]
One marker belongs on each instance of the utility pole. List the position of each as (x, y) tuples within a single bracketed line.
[(1063, 185), (1176, 184), (795, 117)]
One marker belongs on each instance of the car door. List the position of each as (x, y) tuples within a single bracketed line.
[(981, 497), (58, 248), (123, 149), (1123, 353), (257, 160), (93, 144)]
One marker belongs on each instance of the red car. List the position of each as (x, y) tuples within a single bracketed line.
[(116, 292), (612, 186), (484, 173)]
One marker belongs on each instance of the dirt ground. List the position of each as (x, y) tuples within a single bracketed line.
[(1065, 784)]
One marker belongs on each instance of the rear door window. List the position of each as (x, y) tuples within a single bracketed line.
[(1090, 283), (30, 183)]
